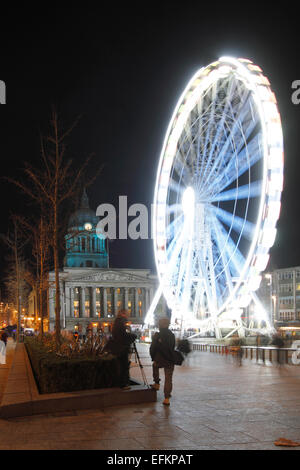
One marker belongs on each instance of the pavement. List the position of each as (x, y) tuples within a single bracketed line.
[(215, 405)]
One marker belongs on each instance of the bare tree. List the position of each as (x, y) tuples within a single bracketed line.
[(15, 280), (37, 277), (52, 187)]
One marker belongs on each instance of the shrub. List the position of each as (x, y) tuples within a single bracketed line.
[(55, 372)]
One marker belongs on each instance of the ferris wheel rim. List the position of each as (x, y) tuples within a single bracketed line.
[(238, 64)]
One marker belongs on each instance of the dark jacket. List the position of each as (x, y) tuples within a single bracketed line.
[(162, 348), (121, 339)]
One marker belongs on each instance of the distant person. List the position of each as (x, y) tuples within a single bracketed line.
[(162, 354), (4, 337), (278, 342), (3, 340), (76, 335), (119, 345)]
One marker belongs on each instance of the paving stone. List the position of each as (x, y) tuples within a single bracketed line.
[(215, 406)]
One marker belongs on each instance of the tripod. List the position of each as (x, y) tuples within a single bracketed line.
[(137, 359)]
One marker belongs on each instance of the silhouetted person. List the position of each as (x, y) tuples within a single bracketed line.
[(119, 345), (162, 355)]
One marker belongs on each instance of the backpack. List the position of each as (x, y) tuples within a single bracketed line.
[(178, 357), (182, 350)]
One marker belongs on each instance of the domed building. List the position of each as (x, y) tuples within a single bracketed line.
[(92, 293), (83, 247)]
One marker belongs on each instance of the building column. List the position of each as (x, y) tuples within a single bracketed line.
[(63, 308), (136, 302), (93, 302), (51, 303), (115, 295), (72, 302), (104, 302), (147, 300), (144, 309), (67, 300), (125, 298), (82, 302)]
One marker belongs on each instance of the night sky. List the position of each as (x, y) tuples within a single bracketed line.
[(123, 70)]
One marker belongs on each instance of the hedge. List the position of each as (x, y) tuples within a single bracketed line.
[(55, 374)]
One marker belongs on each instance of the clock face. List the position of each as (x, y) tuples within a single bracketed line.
[(88, 226)]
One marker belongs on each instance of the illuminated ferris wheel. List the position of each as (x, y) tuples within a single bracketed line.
[(217, 194)]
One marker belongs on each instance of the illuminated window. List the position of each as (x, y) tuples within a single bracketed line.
[(98, 302), (98, 308), (76, 308), (87, 304)]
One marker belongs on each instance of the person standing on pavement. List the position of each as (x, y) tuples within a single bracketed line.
[(3, 341), (119, 344), (162, 354), (4, 337)]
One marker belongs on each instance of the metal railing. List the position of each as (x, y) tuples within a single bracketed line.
[(258, 353)]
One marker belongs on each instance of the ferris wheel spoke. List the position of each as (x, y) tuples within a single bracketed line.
[(174, 208), (207, 125), (223, 254), (200, 143), (211, 122), (173, 226), (175, 186), (174, 248), (224, 107), (207, 285), (198, 301), (225, 155), (191, 152), (245, 159), (242, 226), (181, 167), (246, 191), (182, 268), (235, 258)]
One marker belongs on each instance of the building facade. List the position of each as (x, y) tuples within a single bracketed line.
[(280, 295), (92, 293), (286, 300)]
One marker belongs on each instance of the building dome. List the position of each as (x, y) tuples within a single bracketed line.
[(83, 246), (83, 215)]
